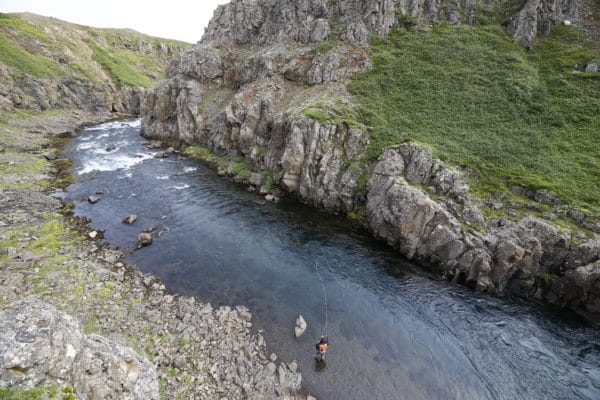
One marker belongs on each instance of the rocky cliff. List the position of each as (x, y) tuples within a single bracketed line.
[(267, 85), (46, 64)]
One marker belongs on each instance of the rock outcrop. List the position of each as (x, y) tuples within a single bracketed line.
[(267, 82), (528, 257), (41, 346)]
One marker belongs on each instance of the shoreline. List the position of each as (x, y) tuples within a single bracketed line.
[(47, 255)]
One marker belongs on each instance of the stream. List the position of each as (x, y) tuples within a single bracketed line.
[(395, 331)]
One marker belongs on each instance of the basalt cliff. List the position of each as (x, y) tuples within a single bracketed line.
[(267, 87)]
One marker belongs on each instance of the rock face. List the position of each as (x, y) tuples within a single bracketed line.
[(311, 21), (42, 346), (267, 82), (529, 257)]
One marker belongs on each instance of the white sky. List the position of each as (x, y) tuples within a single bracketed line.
[(171, 19)]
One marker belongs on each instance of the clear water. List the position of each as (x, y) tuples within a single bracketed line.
[(395, 331)]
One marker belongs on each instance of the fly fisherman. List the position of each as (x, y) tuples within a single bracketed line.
[(321, 348)]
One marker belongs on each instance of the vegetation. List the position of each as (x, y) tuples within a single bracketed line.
[(482, 102), (128, 57), (13, 30), (39, 393), (334, 112), (120, 65), (235, 168)]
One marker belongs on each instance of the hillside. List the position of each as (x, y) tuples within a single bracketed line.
[(464, 134), (46, 63), (510, 117)]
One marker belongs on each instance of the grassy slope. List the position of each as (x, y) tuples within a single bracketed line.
[(483, 102), (97, 54)]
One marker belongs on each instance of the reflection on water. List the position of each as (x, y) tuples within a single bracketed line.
[(395, 332)]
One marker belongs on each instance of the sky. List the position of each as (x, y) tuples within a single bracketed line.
[(171, 19)]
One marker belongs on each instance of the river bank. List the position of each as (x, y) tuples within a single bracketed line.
[(47, 255)]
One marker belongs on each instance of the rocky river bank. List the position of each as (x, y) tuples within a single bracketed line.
[(76, 320)]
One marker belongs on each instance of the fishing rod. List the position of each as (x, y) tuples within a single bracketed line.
[(324, 292)]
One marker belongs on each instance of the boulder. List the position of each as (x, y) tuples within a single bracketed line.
[(50, 154), (130, 219), (592, 67), (256, 179), (93, 199), (300, 327), (144, 239), (40, 345)]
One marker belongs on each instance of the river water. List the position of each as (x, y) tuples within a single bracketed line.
[(395, 331)]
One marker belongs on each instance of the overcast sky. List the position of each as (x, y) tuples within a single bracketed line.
[(171, 19)]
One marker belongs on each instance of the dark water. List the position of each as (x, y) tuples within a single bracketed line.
[(394, 335)]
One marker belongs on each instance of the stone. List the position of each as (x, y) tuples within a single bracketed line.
[(144, 239), (179, 362), (472, 215), (244, 314), (93, 234), (300, 327), (130, 219), (592, 67), (93, 199), (161, 154), (40, 345), (256, 179), (50, 154), (154, 144), (544, 196)]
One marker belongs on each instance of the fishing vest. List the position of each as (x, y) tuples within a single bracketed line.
[(323, 347)]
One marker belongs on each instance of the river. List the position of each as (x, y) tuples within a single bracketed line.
[(396, 332)]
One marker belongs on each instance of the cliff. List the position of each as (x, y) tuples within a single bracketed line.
[(461, 133), (46, 64)]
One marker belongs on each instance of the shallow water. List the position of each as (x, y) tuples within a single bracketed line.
[(395, 331)]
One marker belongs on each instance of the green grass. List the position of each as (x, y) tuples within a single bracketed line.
[(121, 65), (28, 394), (36, 49), (19, 27), (13, 30), (333, 112), (33, 64), (482, 102)]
